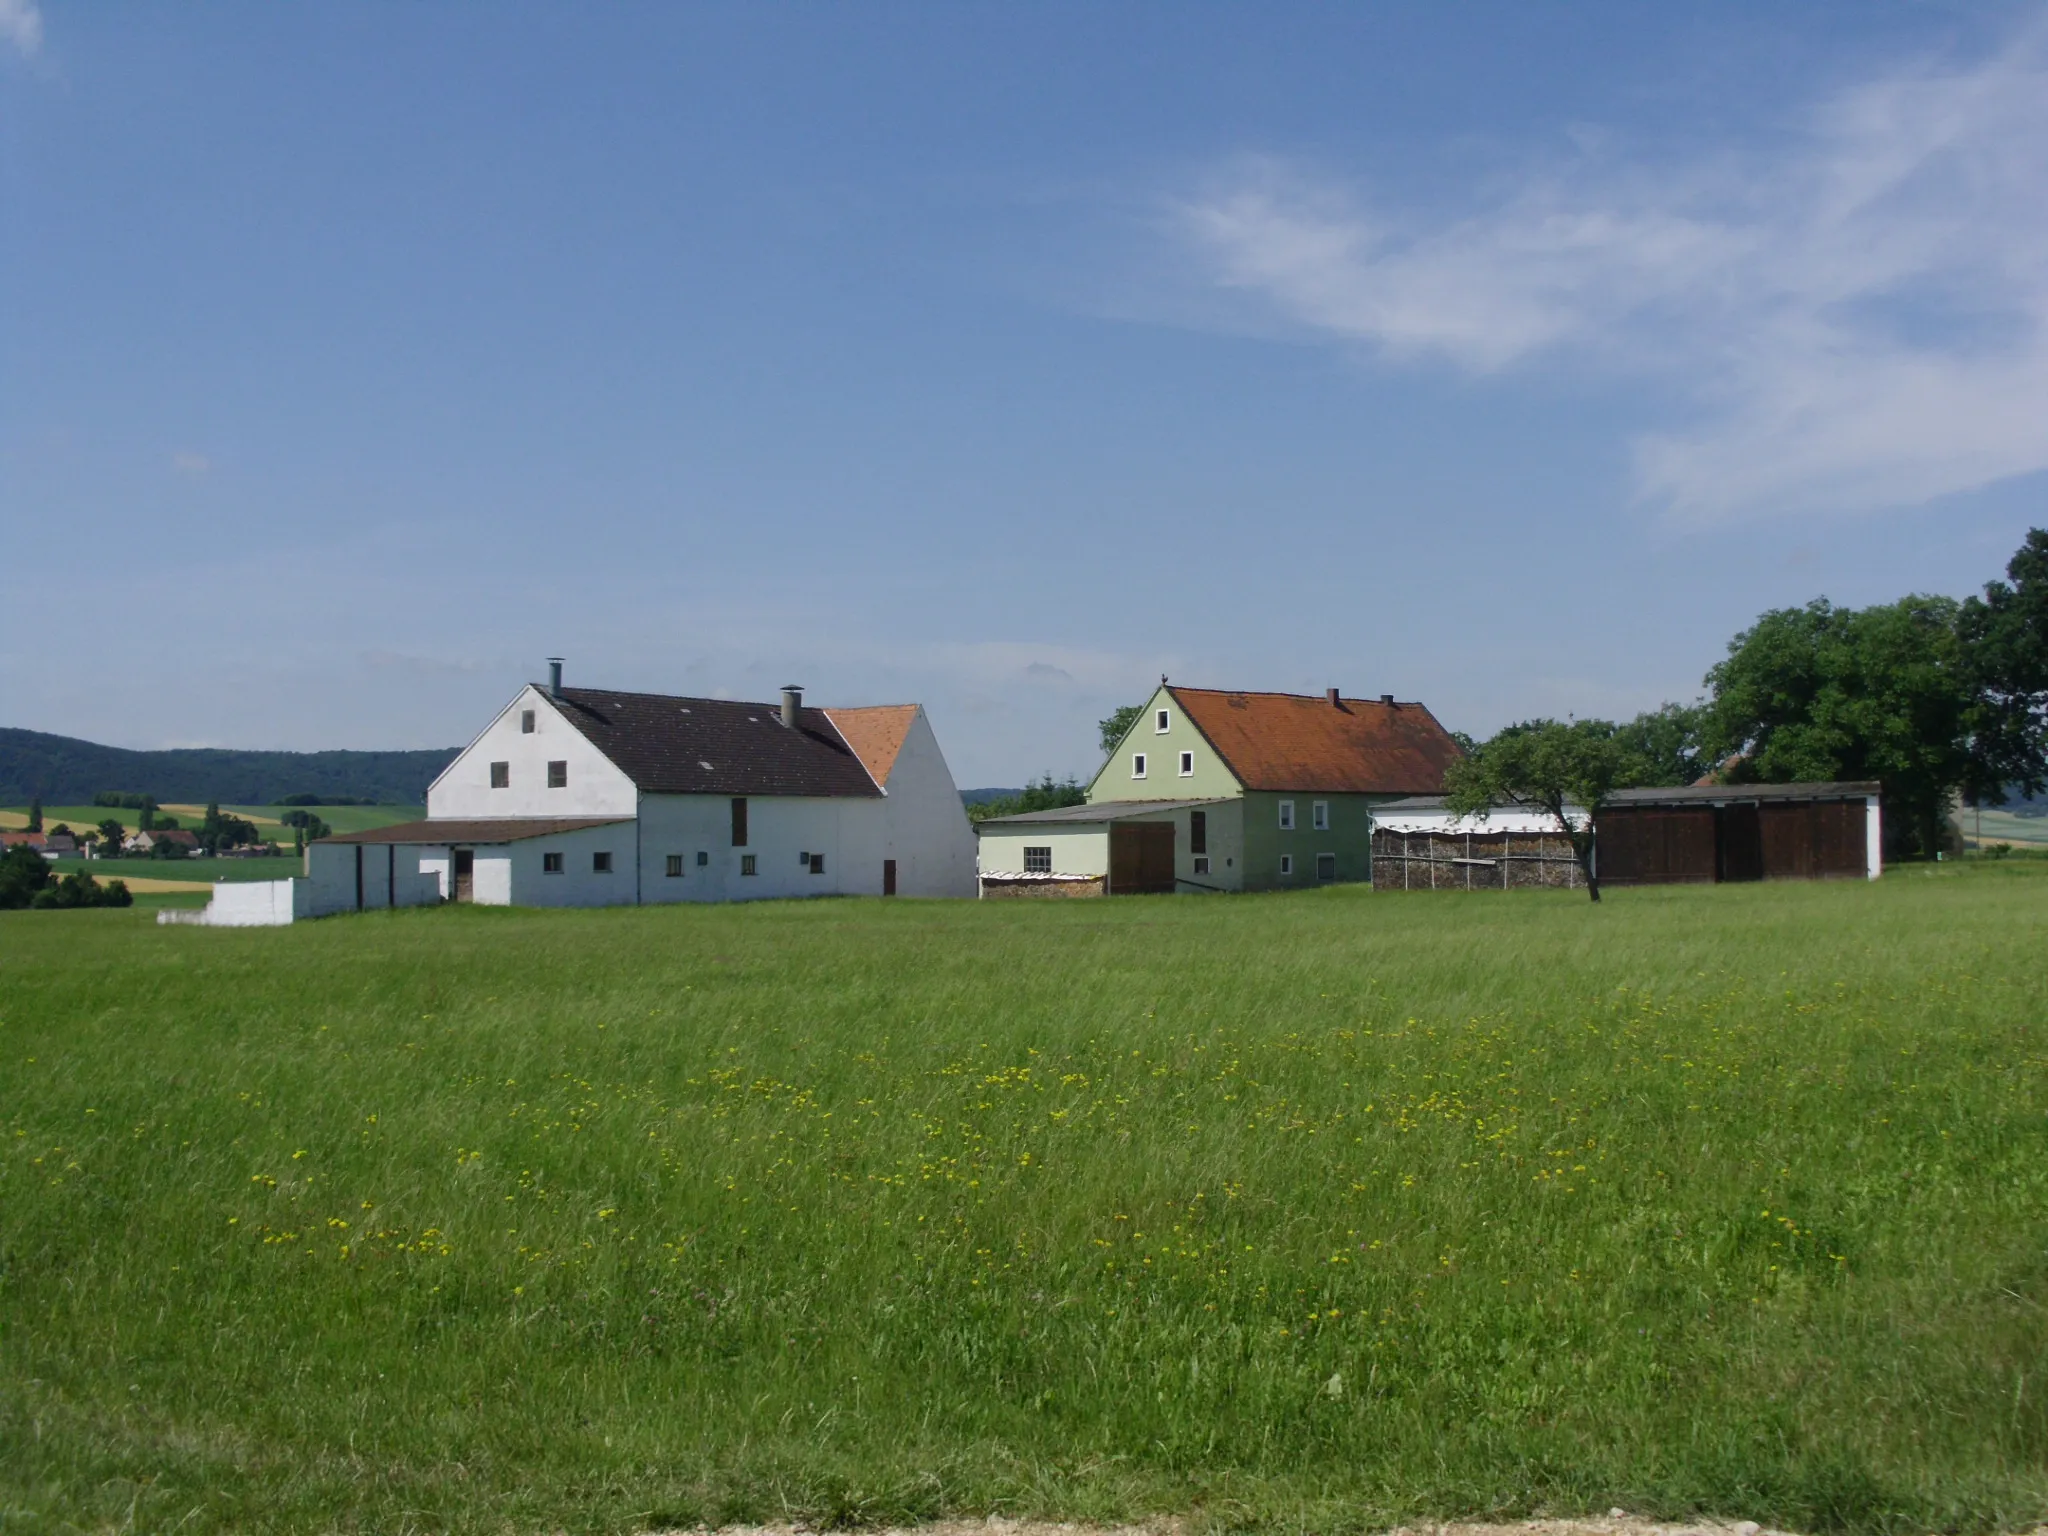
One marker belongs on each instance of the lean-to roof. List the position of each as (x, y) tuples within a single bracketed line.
[(497, 829)]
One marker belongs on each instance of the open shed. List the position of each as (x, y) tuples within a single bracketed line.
[(1705, 833), (1112, 848)]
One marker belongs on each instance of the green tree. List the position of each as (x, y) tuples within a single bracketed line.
[(35, 814), (147, 820), (1821, 692), (24, 875), (1116, 726), (1042, 794), (1663, 747), (2004, 637), (1565, 768), (112, 835)]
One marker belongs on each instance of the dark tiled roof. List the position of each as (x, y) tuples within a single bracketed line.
[(673, 746), (503, 829), (1304, 742)]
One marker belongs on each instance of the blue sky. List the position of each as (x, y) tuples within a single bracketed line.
[(1509, 357)]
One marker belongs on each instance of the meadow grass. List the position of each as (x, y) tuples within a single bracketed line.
[(1314, 1211)]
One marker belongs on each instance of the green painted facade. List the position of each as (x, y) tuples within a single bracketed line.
[(1257, 842)]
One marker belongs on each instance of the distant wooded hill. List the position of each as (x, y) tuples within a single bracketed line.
[(66, 771)]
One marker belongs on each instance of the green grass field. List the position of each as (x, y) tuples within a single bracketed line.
[(285, 867), (343, 818), (1302, 1212)]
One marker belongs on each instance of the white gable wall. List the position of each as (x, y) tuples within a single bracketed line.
[(924, 827), (596, 786)]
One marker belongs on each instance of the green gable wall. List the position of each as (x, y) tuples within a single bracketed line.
[(1212, 779)]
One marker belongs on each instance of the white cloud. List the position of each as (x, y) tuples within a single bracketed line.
[(1860, 319), (185, 462), (21, 25)]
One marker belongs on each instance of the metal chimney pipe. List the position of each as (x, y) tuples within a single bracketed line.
[(555, 676), (792, 701)]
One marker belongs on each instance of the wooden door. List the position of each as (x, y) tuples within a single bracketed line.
[(465, 874), (888, 877), (1738, 843), (1141, 858)]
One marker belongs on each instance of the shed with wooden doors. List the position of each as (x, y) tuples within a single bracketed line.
[(1705, 833), (1419, 845), (1116, 848)]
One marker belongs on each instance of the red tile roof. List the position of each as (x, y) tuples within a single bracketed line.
[(876, 735), (1288, 741)]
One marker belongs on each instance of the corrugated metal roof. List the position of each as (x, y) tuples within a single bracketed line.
[(680, 746), (1291, 741), (1696, 794), (1102, 811), (504, 829)]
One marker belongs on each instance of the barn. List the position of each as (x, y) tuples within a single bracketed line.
[(1706, 833), (1419, 845)]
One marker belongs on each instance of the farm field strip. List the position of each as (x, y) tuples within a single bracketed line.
[(1309, 1212)]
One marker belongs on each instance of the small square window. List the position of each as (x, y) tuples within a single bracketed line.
[(1137, 765), (601, 863), (675, 866), (1162, 722), (551, 863), (1286, 815), (501, 775), (1326, 866), (1187, 765), (558, 774), (703, 858), (526, 722), (1319, 815), (817, 863), (1038, 861), (804, 859), (747, 864), (1286, 863), (1201, 863)]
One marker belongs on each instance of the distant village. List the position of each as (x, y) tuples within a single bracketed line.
[(152, 833)]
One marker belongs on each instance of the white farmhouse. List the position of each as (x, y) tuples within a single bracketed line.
[(582, 797)]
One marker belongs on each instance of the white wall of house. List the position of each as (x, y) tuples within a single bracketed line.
[(924, 826), (1076, 850), (596, 786), (779, 829), (391, 876)]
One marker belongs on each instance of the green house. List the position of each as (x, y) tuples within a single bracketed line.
[(1221, 791)]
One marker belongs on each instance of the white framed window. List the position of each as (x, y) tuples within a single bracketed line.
[(1187, 765), (1286, 815), (558, 774), (1201, 863), (747, 865), (551, 863), (501, 775), (1286, 863), (526, 722), (1163, 721), (1137, 765), (1319, 815), (1038, 861)]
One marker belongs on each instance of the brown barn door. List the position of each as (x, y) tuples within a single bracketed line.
[(1738, 843), (888, 877), (465, 874), (1141, 858)]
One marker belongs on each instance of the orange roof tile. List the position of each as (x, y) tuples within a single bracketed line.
[(1290, 741), (876, 735)]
